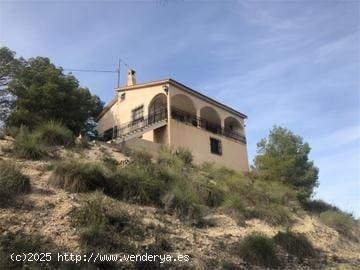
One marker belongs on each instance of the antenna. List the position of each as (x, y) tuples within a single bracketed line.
[(118, 74)]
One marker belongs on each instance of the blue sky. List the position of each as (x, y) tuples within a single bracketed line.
[(293, 63)]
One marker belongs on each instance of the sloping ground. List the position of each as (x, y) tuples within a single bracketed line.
[(47, 211)]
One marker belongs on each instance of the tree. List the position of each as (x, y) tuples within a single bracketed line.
[(43, 92), (9, 66), (284, 157)]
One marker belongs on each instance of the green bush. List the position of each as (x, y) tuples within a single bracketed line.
[(183, 201), (104, 226), (91, 217), (141, 158), (109, 161), (54, 133), (12, 131), (318, 206), (27, 146), (259, 250), (273, 214), (138, 184), (81, 176), (342, 222), (185, 155), (12, 181), (295, 244)]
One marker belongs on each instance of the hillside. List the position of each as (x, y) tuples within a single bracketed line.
[(208, 219)]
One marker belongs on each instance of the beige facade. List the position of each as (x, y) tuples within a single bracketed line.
[(169, 113)]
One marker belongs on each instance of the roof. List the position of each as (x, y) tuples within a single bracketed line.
[(179, 85)]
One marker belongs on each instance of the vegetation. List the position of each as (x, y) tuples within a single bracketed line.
[(54, 133), (284, 157), (9, 67), (35, 91), (342, 222), (318, 206), (20, 243), (295, 244), (259, 250), (104, 225), (80, 176), (27, 145), (12, 181)]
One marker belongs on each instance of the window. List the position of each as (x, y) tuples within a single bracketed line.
[(137, 113), (215, 146), (122, 97)]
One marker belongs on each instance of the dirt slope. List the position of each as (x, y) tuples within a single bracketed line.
[(46, 211)]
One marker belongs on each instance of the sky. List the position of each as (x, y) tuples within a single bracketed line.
[(290, 63)]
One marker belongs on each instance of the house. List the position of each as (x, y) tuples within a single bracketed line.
[(166, 112)]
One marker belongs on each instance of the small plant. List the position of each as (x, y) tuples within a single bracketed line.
[(273, 214), (185, 155), (12, 131), (137, 183), (295, 244), (318, 206), (92, 218), (109, 161), (182, 200), (12, 181), (342, 222), (54, 133), (104, 226), (27, 145), (259, 250), (80, 176)]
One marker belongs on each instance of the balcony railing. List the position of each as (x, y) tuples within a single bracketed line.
[(193, 120), (152, 118)]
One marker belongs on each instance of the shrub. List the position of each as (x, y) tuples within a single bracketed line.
[(342, 222), (273, 214), (142, 158), (295, 244), (168, 158), (182, 200), (104, 226), (137, 184), (80, 176), (185, 155), (91, 217), (12, 131), (27, 146), (318, 206), (54, 133), (109, 161), (235, 207), (259, 250), (12, 181)]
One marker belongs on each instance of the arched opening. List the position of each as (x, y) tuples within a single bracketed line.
[(157, 109), (183, 109), (210, 119), (158, 103), (232, 125), (233, 128)]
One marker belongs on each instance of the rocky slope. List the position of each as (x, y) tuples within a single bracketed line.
[(46, 211)]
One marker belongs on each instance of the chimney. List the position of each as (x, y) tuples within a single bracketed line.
[(131, 80)]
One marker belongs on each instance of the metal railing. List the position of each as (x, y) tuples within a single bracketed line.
[(140, 123), (190, 119)]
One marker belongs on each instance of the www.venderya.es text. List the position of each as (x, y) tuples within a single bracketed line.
[(97, 257)]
